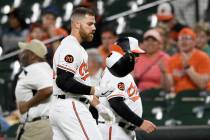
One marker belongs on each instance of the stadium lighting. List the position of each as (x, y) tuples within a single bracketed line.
[(140, 2), (154, 20), (5, 9), (16, 67), (100, 7), (121, 25), (36, 12), (17, 3), (46, 3), (27, 20), (1, 50), (68, 11), (4, 19), (58, 22), (77, 2)]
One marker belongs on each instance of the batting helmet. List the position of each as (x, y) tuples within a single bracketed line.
[(122, 58)]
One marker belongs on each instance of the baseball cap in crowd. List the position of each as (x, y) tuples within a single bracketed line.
[(187, 32), (153, 33), (165, 12), (51, 10), (36, 46)]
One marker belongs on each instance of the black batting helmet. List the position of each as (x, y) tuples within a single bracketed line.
[(122, 58)]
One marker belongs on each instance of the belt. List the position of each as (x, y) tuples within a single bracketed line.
[(127, 126), (123, 125), (61, 96), (81, 99), (39, 118)]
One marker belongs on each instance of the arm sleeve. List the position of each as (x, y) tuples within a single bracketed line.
[(67, 83), (118, 105)]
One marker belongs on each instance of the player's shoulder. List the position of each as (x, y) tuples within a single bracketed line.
[(68, 46), (107, 74), (113, 79), (70, 41), (39, 68)]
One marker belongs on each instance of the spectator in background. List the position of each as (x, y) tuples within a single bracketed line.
[(15, 31), (36, 31), (108, 37), (48, 22), (190, 68), (93, 4), (95, 68), (146, 71), (190, 12), (166, 16), (168, 47), (202, 32), (33, 92), (3, 125)]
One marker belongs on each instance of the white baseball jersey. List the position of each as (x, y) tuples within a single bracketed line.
[(124, 87), (72, 57), (69, 117), (34, 77)]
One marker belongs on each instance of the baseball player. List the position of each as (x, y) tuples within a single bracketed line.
[(69, 116), (124, 100)]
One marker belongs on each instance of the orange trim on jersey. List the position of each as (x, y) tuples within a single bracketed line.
[(110, 133), (65, 68), (80, 122), (85, 77), (116, 95), (135, 98)]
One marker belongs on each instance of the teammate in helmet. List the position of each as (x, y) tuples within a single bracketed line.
[(124, 100)]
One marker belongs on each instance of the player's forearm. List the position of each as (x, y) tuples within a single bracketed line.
[(124, 111), (200, 80), (41, 96), (67, 83)]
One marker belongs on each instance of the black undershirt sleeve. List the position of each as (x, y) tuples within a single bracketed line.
[(67, 83), (118, 105)]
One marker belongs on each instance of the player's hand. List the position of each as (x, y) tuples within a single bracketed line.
[(105, 113), (95, 101), (103, 91), (148, 126), (23, 106)]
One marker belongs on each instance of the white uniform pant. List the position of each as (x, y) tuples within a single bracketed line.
[(71, 120), (115, 132)]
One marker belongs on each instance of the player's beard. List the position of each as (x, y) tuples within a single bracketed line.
[(86, 36)]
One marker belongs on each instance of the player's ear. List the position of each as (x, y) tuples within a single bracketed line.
[(77, 24)]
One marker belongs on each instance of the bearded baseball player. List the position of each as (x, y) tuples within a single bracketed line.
[(69, 115), (124, 100)]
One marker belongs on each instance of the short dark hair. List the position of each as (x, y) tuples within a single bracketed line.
[(51, 10), (82, 11), (110, 30)]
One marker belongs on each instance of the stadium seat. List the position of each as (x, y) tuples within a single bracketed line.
[(154, 105), (186, 109)]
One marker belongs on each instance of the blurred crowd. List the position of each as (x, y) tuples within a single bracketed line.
[(176, 58)]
